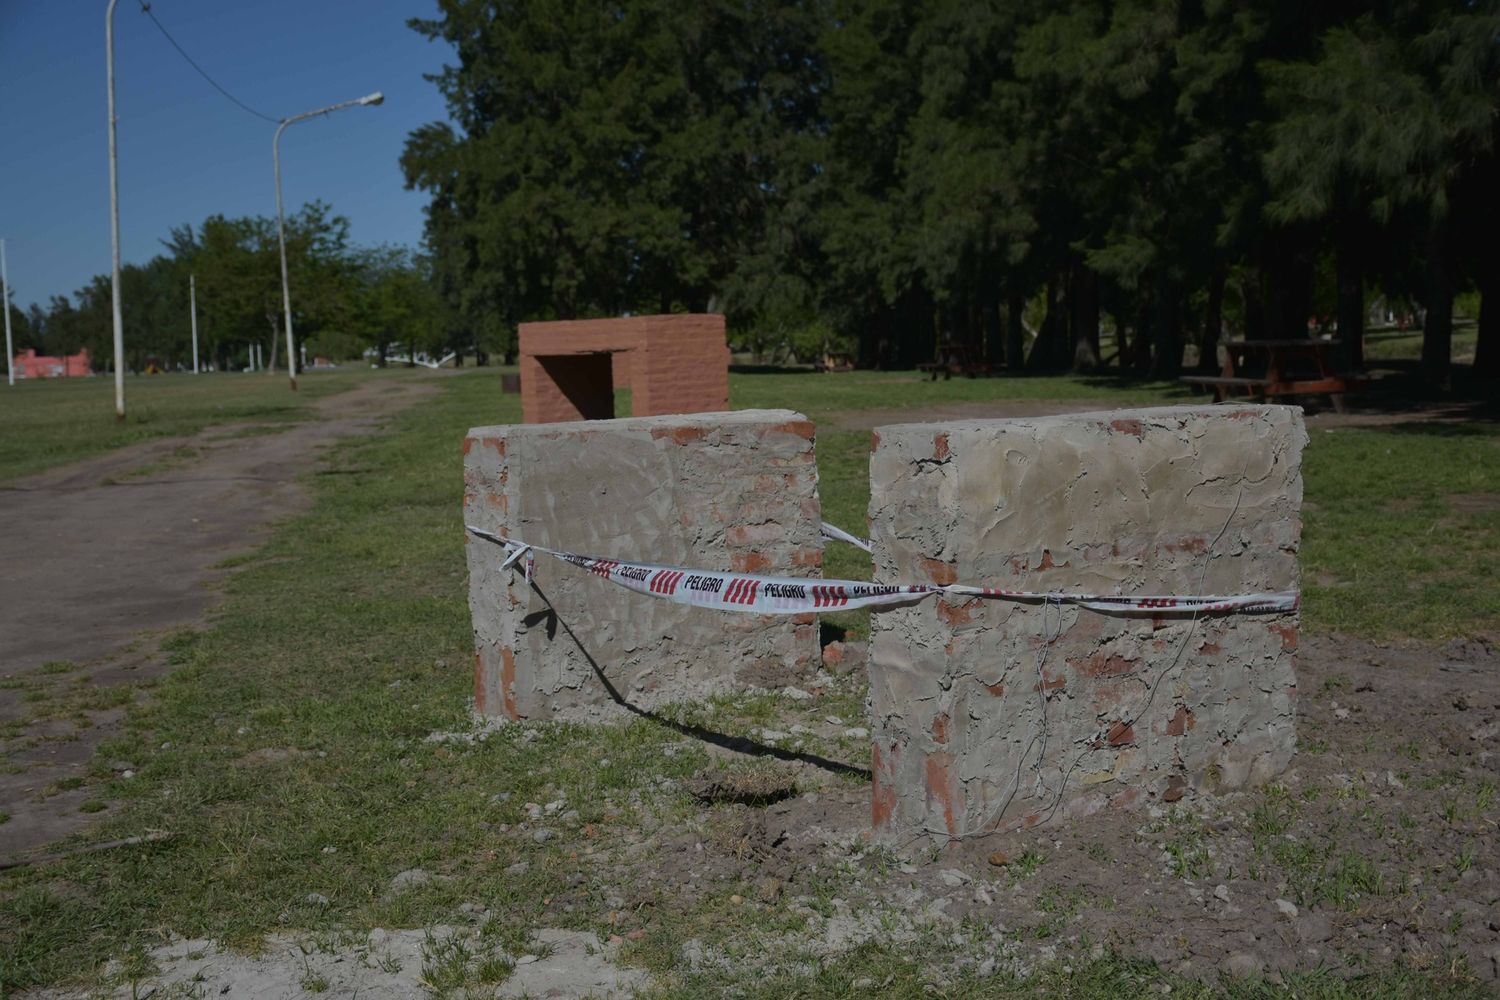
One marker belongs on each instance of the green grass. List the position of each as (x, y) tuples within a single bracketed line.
[(1402, 530), (297, 721), (50, 422), (820, 396)]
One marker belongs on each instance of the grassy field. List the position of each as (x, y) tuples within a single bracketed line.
[(50, 422), (288, 752)]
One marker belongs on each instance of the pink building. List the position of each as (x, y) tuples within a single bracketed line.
[(29, 364)]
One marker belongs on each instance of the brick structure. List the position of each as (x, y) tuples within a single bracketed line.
[(967, 696), (720, 491), (673, 364), (30, 364)]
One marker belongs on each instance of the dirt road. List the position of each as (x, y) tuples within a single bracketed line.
[(97, 559)]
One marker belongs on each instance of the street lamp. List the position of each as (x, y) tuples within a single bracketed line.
[(114, 214), (286, 291)]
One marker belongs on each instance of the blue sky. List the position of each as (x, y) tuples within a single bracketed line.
[(185, 151)]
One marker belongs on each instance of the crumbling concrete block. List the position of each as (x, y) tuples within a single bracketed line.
[(720, 491), (994, 714)]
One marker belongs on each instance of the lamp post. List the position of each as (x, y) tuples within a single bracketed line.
[(193, 309), (10, 354), (114, 213), (286, 291)]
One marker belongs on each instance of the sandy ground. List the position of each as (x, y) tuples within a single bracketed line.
[(100, 557)]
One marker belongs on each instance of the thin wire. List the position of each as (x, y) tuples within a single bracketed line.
[(1187, 636), (146, 9)]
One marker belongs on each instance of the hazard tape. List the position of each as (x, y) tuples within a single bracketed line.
[(776, 595), (838, 534)]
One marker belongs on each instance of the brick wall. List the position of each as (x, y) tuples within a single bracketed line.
[(676, 363)]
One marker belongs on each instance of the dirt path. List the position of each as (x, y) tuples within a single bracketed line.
[(98, 558)]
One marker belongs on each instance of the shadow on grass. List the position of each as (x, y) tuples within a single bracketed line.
[(737, 744), (770, 369)]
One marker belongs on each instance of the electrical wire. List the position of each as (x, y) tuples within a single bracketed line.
[(146, 9)]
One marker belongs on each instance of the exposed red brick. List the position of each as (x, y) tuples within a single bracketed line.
[(672, 363), (1288, 635), (995, 689), (882, 785), (806, 618), (833, 652), (1192, 544), (1128, 427), (680, 435), (1176, 786), (955, 614), (469, 444), (508, 682), (940, 729), (807, 557), (940, 447), (1050, 682), (939, 572), (1209, 648), (748, 562), (1121, 734), (1182, 722), (940, 790), (874, 441), (801, 428)]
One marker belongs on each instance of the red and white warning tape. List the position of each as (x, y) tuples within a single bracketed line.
[(775, 595)]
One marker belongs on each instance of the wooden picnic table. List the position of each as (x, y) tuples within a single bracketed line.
[(1262, 369), (956, 359)]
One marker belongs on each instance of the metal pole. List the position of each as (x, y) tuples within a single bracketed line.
[(193, 308), (286, 289), (10, 352), (114, 215)]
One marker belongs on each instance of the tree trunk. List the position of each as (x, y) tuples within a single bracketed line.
[(1085, 318), (1213, 323), (1487, 350), (1166, 335), (1351, 308), (1255, 306), (1140, 342), (1437, 328), (1015, 332), (1050, 351)]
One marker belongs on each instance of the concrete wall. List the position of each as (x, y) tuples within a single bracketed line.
[(1132, 501), (675, 363), (721, 491)]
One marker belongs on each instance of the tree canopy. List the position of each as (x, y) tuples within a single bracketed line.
[(1007, 175), (345, 298)]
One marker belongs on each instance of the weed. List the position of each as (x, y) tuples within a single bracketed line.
[(1485, 797), (1027, 863)]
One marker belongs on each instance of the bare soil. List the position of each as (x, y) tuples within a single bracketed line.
[(1379, 847), (99, 558)]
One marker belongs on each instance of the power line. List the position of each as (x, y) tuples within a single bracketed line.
[(146, 9)]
